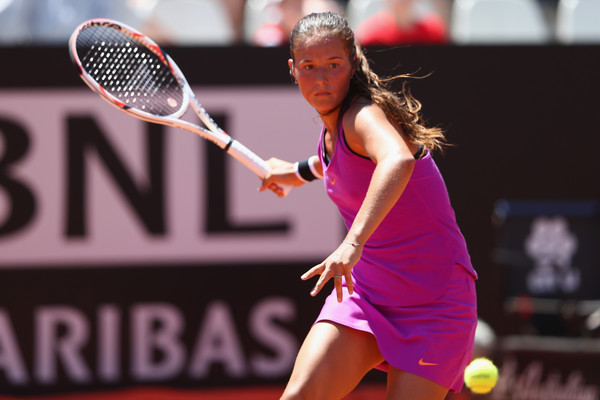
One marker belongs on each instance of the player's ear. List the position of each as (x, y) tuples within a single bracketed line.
[(291, 65)]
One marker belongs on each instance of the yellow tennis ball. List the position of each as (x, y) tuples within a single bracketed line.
[(481, 375)]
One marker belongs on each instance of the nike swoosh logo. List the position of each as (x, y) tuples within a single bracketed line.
[(421, 362)]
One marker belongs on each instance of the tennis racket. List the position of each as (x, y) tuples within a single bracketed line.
[(131, 72)]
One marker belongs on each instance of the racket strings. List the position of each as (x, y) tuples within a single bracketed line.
[(129, 71)]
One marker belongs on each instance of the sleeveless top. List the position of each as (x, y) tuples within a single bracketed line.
[(408, 259)]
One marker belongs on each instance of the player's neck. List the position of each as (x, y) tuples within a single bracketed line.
[(330, 120)]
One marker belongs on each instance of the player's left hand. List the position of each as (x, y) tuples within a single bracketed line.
[(337, 266)]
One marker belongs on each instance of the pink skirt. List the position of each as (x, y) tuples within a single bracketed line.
[(434, 341)]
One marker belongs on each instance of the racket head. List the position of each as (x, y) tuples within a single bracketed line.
[(129, 70)]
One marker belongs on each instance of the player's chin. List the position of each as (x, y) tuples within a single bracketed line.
[(325, 108), (322, 102), (327, 111)]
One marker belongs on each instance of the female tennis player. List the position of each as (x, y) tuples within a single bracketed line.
[(404, 297)]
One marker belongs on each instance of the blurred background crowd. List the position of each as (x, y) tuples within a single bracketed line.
[(268, 22)]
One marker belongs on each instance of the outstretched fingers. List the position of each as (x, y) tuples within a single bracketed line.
[(316, 270), (325, 275)]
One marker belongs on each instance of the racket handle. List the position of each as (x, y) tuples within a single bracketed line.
[(253, 162)]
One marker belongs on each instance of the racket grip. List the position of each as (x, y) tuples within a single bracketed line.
[(253, 162)]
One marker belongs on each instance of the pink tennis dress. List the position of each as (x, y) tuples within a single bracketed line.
[(414, 287)]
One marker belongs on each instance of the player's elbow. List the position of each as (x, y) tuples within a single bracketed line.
[(399, 163)]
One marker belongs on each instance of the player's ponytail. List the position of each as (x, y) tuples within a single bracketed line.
[(401, 107)]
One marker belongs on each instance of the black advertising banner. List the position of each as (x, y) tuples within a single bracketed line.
[(177, 325)]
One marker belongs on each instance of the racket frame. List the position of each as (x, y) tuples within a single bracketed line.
[(213, 134)]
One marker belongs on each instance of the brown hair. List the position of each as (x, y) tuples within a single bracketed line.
[(401, 107)]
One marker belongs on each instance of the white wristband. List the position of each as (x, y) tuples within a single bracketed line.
[(298, 172)]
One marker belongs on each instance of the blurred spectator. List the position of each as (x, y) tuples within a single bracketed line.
[(194, 22), (285, 14), (441, 7), (235, 9), (405, 22), (51, 22), (549, 8)]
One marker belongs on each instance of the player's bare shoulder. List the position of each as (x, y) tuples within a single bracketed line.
[(362, 116), (356, 113), (358, 124)]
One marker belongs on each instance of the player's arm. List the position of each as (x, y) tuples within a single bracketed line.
[(295, 174), (369, 133)]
